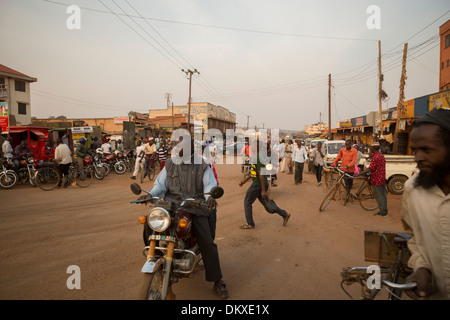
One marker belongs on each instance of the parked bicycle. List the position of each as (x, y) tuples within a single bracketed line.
[(48, 176), (391, 251), (364, 195)]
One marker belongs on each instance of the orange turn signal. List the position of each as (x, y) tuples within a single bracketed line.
[(183, 223), (142, 219)]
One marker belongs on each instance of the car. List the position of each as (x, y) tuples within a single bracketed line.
[(331, 148)]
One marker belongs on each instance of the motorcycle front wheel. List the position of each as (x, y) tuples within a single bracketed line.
[(151, 285), (120, 168), (8, 179)]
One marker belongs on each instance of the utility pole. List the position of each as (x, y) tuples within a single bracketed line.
[(329, 106), (401, 99), (247, 121), (380, 132), (189, 73), (173, 125)]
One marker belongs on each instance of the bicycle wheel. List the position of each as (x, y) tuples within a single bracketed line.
[(330, 196), (47, 178), (83, 176), (152, 173), (367, 198), (329, 178)]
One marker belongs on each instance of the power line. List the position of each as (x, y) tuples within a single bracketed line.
[(222, 27)]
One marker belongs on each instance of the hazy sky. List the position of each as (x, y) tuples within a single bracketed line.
[(266, 59)]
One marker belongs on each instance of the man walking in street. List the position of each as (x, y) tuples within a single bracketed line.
[(317, 158), (377, 171), (426, 206), (258, 190), (299, 157)]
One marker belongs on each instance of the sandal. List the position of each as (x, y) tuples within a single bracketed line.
[(247, 226), (221, 290)]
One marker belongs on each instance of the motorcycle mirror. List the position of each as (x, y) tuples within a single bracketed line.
[(135, 188), (216, 192)]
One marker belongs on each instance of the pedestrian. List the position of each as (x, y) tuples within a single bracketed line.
[(289, 150), (150, 153), (377, 171), (282, 150), (96, 144), (348, 155), (299, 157), (162, 155), (106, 147), (426, 206), (317, 155), (140, 156), (7, 149), (258, 190), (81, 151), (63, 157)]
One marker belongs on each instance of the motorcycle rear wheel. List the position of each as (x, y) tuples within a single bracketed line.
[(151, 285), (83, 176)]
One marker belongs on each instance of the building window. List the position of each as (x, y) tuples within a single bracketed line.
[(22, 108), (447, 41), (20, 86)]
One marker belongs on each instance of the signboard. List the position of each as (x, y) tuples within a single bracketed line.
[(439, 100), (4, 118), (82, 130), (120, 120), (409, 109)]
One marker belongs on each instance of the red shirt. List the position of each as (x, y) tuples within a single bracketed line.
[(348, 159), (378, 169)]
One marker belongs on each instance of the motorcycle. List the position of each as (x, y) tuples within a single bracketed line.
[(8, 178), (129, 159), (115, 161), (27, 170), (171, 247), (99, 171), (98, 162)]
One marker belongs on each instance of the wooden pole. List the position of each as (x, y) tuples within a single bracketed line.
[(329, 106), (401, 99)]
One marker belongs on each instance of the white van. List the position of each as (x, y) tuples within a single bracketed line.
[(331, 148)]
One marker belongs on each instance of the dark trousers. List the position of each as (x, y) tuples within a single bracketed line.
[(348, 182), (253, 193), (208, 248), (64, 172), (299, 172), (380, 196), (319, 173)]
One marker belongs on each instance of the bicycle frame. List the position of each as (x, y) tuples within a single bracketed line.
[(391, 276)]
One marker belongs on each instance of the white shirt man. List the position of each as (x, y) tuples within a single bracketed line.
[(63, 155), (299, 158), (7, 149), (140, 155), (106, 147)]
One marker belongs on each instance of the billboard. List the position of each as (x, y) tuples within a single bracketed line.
[(439, 100), (4, 118)]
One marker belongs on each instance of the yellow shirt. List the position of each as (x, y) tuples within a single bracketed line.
[(426, 217), (149, 149)]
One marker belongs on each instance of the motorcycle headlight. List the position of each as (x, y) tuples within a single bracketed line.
[(158, 219), (269, 166)]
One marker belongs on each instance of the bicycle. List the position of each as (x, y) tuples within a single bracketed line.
[(393, 267), (149, 170), (364, 195), (48, 176)]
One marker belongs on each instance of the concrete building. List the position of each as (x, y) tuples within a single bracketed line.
[(15, 91), (444, 62), (316, 129), (211, 116)]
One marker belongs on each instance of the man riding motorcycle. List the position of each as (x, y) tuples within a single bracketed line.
[(187, 179)]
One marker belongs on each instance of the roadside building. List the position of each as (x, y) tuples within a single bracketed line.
[(444, 65), (15, 100)]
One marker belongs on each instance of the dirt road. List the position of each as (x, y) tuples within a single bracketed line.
[(96, 229)]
